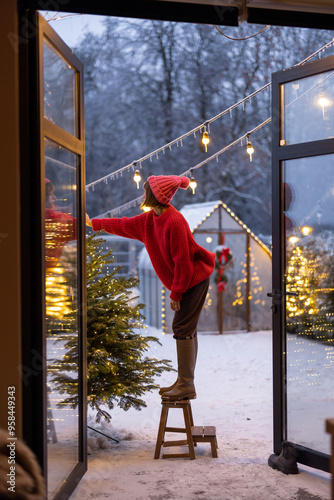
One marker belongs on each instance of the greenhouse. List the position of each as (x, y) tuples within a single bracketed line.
[(237, 298)]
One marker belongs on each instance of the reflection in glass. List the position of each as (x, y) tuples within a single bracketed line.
[(59, 91), (309, 232), (61, 285), (308, 109)]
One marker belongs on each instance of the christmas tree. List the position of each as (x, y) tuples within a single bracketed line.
[(309, 274), (301, 278), (118, 372)]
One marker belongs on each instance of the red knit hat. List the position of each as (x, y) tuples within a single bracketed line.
[(165, 186)]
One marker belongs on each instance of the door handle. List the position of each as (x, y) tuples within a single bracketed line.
[(276, 294)]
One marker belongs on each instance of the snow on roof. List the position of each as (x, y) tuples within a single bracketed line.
[(196, 213)]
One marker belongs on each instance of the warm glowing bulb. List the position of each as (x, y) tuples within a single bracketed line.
[(205, 140), (146, 209), (137, 178), (193, 184), (250, 149), (209, 239), (293, 239), (306, 230), (323, 101)]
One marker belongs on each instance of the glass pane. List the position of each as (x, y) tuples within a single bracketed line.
[(309, 263), (61, 296), (59, 91), (308, 109)]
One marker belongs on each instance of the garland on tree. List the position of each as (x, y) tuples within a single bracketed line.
[(117, 369), (224, 260)]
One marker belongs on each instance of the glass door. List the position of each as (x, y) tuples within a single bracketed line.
[(62, 161), (53, 259), (303, 259)]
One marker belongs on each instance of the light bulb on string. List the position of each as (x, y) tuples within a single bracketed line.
[(137, 178), (205, 138), (324, 102), (249, 148), (306, 230), (193, 183)]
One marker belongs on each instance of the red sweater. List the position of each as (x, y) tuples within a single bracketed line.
[(178, 260), (60, 229)]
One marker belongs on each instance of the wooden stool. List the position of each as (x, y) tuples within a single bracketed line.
[(188, 421), (206, 434)]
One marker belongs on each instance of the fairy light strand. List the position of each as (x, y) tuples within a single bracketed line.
[(199, 127), (138, 200)]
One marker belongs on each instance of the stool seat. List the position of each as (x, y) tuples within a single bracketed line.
[(206, 434), (193, 433)]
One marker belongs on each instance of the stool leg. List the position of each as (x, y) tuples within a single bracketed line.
[(191, 415), (187, 421), (214, 446), (191, 420), (161, 431)]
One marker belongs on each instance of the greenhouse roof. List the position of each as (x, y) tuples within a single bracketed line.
[(197, 213)]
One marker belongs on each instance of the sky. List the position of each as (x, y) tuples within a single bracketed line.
[(72, 27)]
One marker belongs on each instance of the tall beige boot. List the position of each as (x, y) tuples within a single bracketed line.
[(166, 389), (186, 360)]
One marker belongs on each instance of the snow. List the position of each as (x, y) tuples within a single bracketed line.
[(197, 212), (234, 393)]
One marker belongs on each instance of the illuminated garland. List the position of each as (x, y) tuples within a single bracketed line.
[(137, 201), (203, 126)]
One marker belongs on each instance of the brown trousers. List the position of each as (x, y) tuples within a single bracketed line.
[(186, 319)]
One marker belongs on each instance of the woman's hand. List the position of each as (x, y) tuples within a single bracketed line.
[(88, 221), (175, 305)]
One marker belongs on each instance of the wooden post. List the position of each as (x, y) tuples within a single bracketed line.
[(220, 312), (220, 294), (247, 282), (330, 429)]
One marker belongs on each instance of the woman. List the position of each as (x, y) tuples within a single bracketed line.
[(183, 266), (60, 228)]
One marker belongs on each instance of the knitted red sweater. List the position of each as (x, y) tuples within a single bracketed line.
[(178, 260)]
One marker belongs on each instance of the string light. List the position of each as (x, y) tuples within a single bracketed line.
[(193, 183), (306, 230), (138, 200), (293, 239), (137, 178), (249, 149), (205, 138), (135, 202), (324, 102), (199, 127)]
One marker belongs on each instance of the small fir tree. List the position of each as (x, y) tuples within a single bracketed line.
[(117, 369), (309, 274), (301, 278)]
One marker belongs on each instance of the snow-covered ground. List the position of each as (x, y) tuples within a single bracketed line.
[(234, 393)]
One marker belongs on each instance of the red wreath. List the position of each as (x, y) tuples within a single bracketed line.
[(223, 261)]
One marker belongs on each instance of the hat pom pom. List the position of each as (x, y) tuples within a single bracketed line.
[(184, 182)]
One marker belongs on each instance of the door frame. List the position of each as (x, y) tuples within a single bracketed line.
[(280, 154), (33, 128)]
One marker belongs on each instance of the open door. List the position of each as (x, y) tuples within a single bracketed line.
[(303, 259), (54, 310)]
